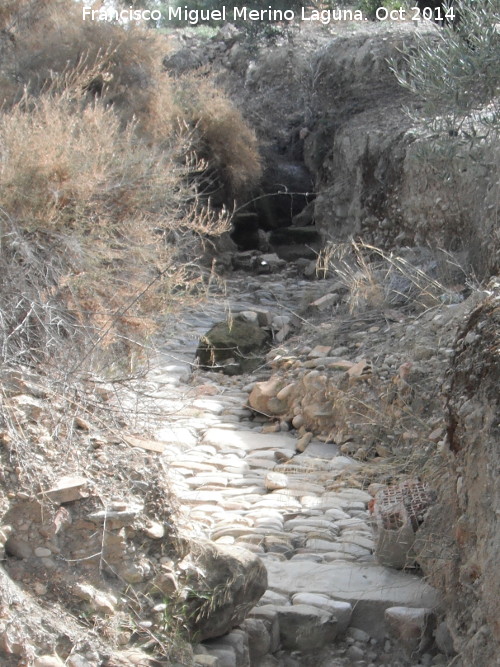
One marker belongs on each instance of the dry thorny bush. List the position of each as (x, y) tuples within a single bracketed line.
[(106, 167)]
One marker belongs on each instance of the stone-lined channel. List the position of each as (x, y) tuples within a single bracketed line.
[(241, 486)]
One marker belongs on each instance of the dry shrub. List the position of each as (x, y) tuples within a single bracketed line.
[(122, 68), (223, 138), (95, 224), (103, 161)]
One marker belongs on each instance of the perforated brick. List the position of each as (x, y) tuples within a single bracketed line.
[(402, 504)]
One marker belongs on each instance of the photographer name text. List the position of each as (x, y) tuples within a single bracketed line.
[(194, 17)]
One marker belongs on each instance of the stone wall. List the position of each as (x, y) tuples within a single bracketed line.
[(461, 541)]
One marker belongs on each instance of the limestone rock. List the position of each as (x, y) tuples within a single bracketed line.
[(48, 661), (99, 600), (276, 480), (205, 660), (236, 642), (324, 302), (239, 342), (263, 397), (130, 658), (237, 579), (259, 640)]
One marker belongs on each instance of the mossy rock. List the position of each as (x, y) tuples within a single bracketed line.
[(233, 347)]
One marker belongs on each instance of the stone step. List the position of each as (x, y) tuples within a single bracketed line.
[(371, 589)]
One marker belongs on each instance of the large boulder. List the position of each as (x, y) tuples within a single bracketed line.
[(229, 584), (233, 347)]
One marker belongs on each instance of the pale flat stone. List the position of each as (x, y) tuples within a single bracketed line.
[(269, 524), (296, 492), (351, 549), (369, 588), (320, 503), (319, 351), (304, 532), (203, 660), (176, 435), (265, 514), (207, 405), (254, 479), (42, 552), (271, 597), (324, 302), (330, 556), (356, 524), (359, 540), (202, 480), (355, 494), (260, 464), (238, 504), (233, 531), (309, 557), (154, 530), (67, 489), (207, 496), (237, 467), (311, 523), (48, 661), (344, 463), (337, 514), (315, 544), (191, 466), (249, 441), (275, 499), (276, 480)]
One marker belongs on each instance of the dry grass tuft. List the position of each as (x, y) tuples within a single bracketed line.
[(376, 279), (122, 69)]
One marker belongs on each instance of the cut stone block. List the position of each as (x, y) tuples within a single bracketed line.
[(306, 628), (341, 610)]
